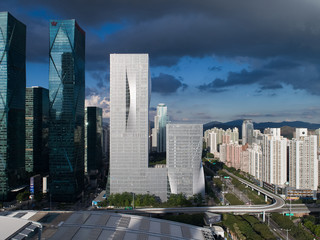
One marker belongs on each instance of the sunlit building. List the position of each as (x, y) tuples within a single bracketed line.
[(66, 94), (130, 90), (303, 162), (184, 149)]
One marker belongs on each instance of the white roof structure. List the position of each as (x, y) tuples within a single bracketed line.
[(96, 225), (17, 228)]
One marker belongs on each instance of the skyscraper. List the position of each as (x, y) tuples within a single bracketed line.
[(247, 132), (274, 155), (129, 131), (93, 139), (184, 149), (159, 131), (303, 162), (12, 102), (66, 94), (37, 130)]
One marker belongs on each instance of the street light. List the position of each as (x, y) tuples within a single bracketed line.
[(287, 230), (287, 183)]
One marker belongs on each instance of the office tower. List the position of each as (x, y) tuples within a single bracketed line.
[(93, 140), (106, 143), (12, 102), (66, 94), (247, 132), (303, 162), (274, 153), (37, 130), (159, 132), (129, 131), (184, 149)]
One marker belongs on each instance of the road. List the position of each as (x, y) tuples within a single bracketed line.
[(277, 204)]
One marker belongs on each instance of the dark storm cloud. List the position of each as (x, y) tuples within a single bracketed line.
[(167, 84), (281, 64), (272, 86), (215, 68), (242, 78), (271, 76), (169, 30)]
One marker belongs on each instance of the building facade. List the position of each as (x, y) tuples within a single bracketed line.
[(12, 102), (303, 162), (160, 122), (37, 130), (247, 132), (184, 149), (274, 154), (130, 90), (93, 139), (66, 94)]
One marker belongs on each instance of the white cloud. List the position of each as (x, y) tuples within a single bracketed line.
[(98, 101)]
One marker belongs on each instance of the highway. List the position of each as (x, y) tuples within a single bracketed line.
[(277, 204)]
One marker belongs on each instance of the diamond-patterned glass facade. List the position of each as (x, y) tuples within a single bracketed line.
[(66, 94), (12, 99)]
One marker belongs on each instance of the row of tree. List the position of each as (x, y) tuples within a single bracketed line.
[(146, 200)]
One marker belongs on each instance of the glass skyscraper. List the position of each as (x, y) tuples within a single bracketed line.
[(12, 102), (93, 139), (37, 130), (161, 120), (66, 94)]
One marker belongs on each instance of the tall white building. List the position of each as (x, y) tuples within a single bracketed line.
[(274, 153), (159, 130), (247, 132), (129, 128), (184, 149), (255, 161), (303, 162), (212, 143)]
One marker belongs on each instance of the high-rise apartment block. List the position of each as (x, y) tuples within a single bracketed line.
[(184, 149), (37, 130), (159, 130), (274, 153), (303, 162), (12, 102), (247, 132), (216, 136), (129, 128), (66, 94), (317, 133), (93, 140), (255, 161)]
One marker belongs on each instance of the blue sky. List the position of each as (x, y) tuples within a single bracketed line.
[(210, 60)]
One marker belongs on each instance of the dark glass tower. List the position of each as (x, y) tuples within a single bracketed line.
[(37, 128), (12, 99), (66, 94), (94, 140)]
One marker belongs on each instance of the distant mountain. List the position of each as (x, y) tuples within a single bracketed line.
[(261, 126)]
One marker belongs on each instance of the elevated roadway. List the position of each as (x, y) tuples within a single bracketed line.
[(277, 204)]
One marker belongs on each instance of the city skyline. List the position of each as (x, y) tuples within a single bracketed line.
[(214, 61)]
